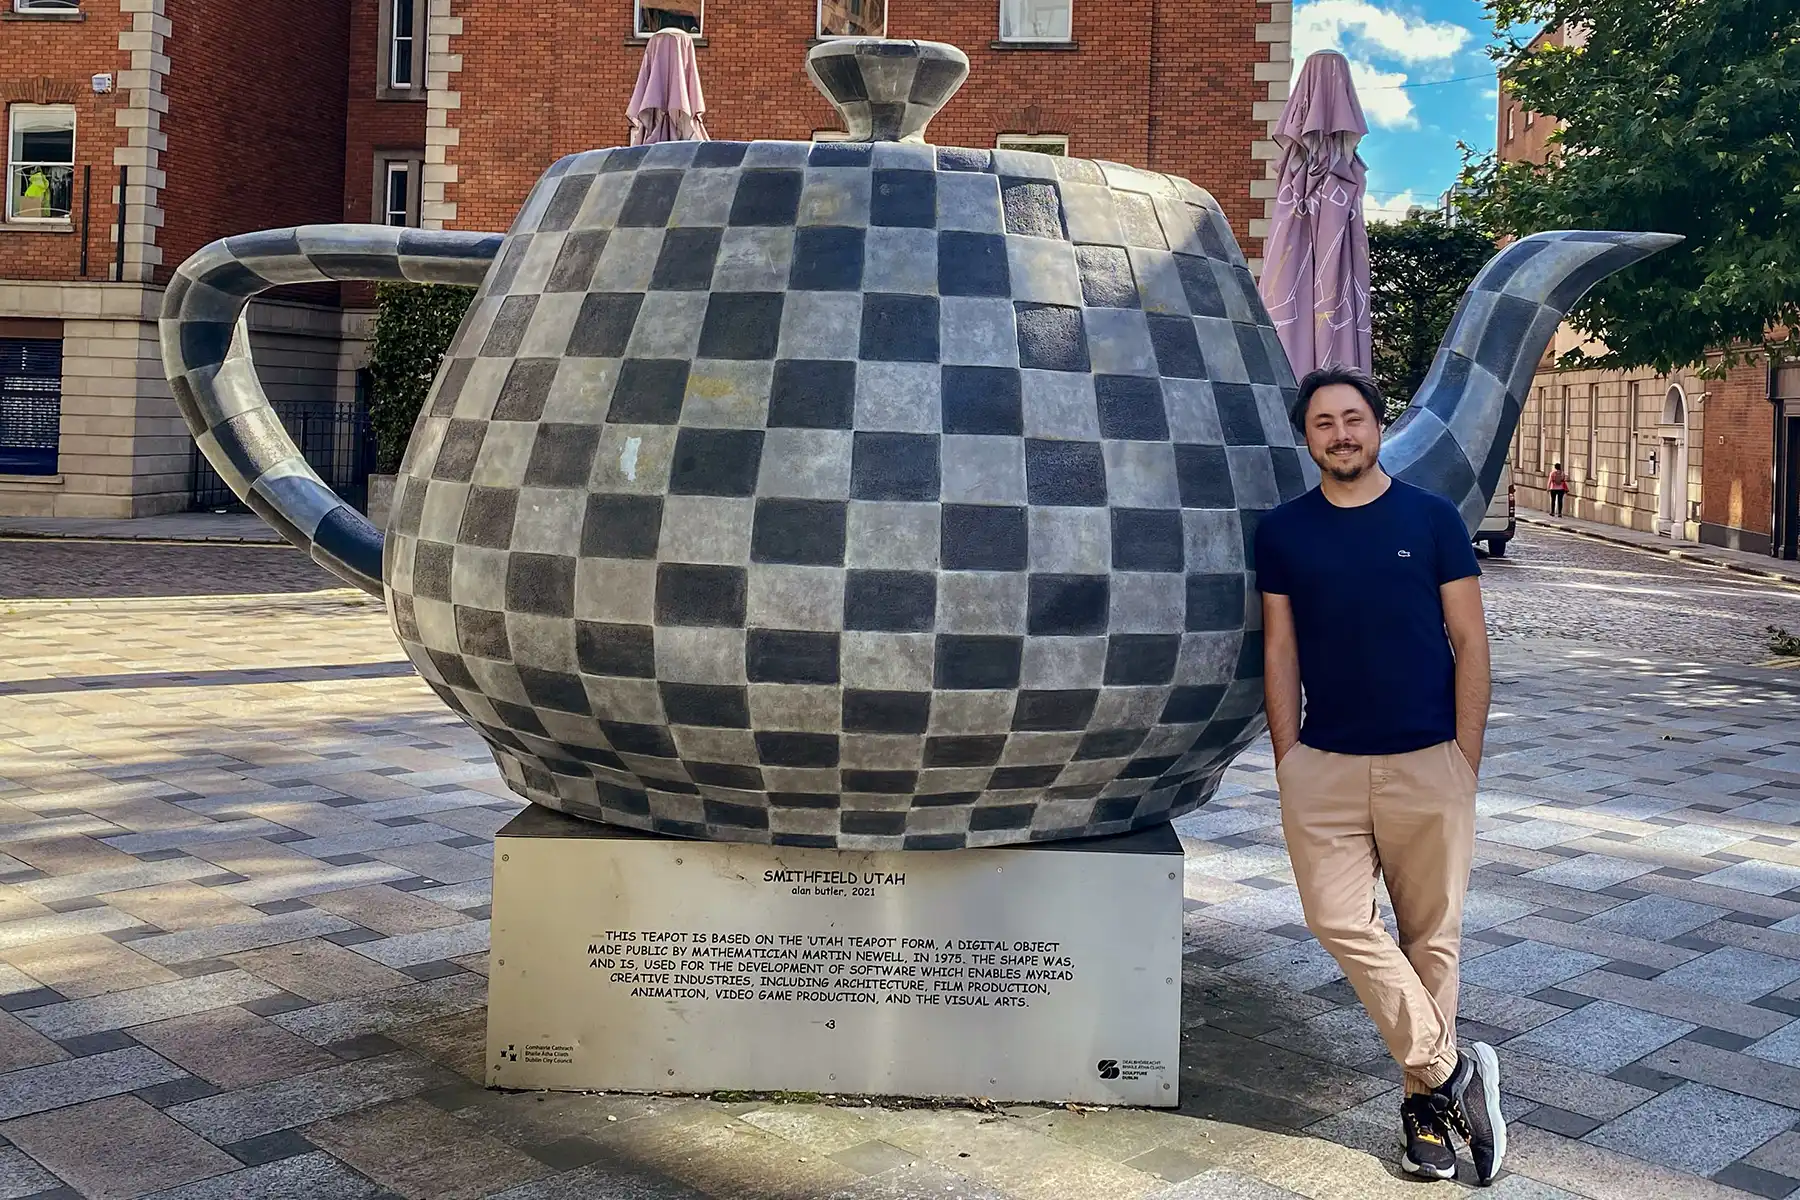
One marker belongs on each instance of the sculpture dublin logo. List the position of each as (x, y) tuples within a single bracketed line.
[(860, 495)]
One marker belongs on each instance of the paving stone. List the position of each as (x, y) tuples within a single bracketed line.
[(1222, 1184), (319, 970), (440, 861), (25, 931), (139, 1006), (1528, 967), (1756, 1181), (116, 1148), (1762, 878), (1601, 942), (408, 949), (286, 1103), (457, 1042), (21, 1177), (1567, 1087), (1590, 872), (1655, 917), (1782, 1046), (222, 940), (232, 1048), (89, 965), (310, 1175), (180, 905), (419, 1151), (1780, 1154), (1695, 1128), (36, 1089), (338, 1020), (270, 1147), (22, 1046), (1594, 1171), (620, 1182), (381, 908), (1661, 997), (1745, 1074), (1735, 974), (1600, 1037), (1346, 1037)]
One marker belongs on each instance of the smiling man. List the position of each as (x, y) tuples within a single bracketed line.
[(1372, 613)]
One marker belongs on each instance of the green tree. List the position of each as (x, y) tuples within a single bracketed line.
[(1680, 116), (413, 328), (1418, 270)]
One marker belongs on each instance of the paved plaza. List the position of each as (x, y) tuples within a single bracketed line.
[(244, 889)]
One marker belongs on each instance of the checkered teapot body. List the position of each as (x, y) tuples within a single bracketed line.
[(852, 494)]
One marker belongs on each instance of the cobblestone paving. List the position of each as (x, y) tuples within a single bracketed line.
[(1557, 585), (217, 813)]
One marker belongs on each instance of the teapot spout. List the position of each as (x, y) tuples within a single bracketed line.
[(1454, 437)]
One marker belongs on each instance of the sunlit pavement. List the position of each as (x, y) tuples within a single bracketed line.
[(244, 863)]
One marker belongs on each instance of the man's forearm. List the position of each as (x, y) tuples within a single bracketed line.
[(1474, 687), (1281, 697)]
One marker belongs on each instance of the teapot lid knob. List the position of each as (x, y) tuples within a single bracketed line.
[(886, 89)]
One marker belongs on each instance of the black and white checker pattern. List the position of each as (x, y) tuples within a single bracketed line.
[(886, 89), (852, 495), (871, 496), (1455, 437), (207, 358)]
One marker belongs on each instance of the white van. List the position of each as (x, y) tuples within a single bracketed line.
[(1500, 523)]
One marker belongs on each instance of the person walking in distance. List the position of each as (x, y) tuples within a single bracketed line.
[(1372, 614), (1559, 489)]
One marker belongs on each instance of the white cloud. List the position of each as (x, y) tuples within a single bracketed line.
[(1383, 101), (1376, 31), (1363, 32), (1394, 208)]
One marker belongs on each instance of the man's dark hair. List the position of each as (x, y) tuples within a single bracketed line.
[(1332, 373)]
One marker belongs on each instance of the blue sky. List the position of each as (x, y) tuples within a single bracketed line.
[(1401, 54)]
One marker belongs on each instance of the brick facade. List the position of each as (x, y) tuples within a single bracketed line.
[(51, 60), (1175, 85), (234, 117)]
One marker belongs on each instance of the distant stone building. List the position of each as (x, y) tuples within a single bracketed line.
[(1714, 460)]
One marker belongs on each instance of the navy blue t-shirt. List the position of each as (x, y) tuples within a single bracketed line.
[(1376, 666)]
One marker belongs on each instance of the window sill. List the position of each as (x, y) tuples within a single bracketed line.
[(640, 40), (37, 227), (1027, 45), (71, 18), (40, 480), (400, 95), (820, 40)]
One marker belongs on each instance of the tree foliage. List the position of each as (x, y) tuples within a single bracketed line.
[(1418, 270), (413, 328), (1681, 116)]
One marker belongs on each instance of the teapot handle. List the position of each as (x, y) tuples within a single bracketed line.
[(206, 355)]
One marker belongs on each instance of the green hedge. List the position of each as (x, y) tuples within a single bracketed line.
[(413, 329)]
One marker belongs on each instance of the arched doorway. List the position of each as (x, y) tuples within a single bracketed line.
[(1672, 470)]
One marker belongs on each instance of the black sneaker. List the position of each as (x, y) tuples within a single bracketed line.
[(1429, 1154), (1473, 1111)]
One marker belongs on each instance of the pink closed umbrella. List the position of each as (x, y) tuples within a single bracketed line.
[(1315, 278), (666, 105)]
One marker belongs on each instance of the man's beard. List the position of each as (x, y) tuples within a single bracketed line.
[(1346, 471)]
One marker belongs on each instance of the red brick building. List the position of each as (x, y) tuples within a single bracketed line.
[(223, 117), (1690, 455)]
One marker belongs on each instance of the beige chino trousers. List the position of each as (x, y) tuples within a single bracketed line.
[(1409, 819)]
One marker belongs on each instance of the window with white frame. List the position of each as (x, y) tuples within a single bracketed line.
[(40, 162), (852, 18), (1040, 143), (652, 15), (401, 61), (1036, 20), (49, 6), (397, 178)]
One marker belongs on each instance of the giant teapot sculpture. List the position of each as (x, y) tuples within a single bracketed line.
[(868, 494)]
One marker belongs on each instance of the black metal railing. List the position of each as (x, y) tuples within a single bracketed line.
[(336, 440)]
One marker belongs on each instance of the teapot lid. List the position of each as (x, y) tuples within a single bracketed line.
[(886, 90)]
